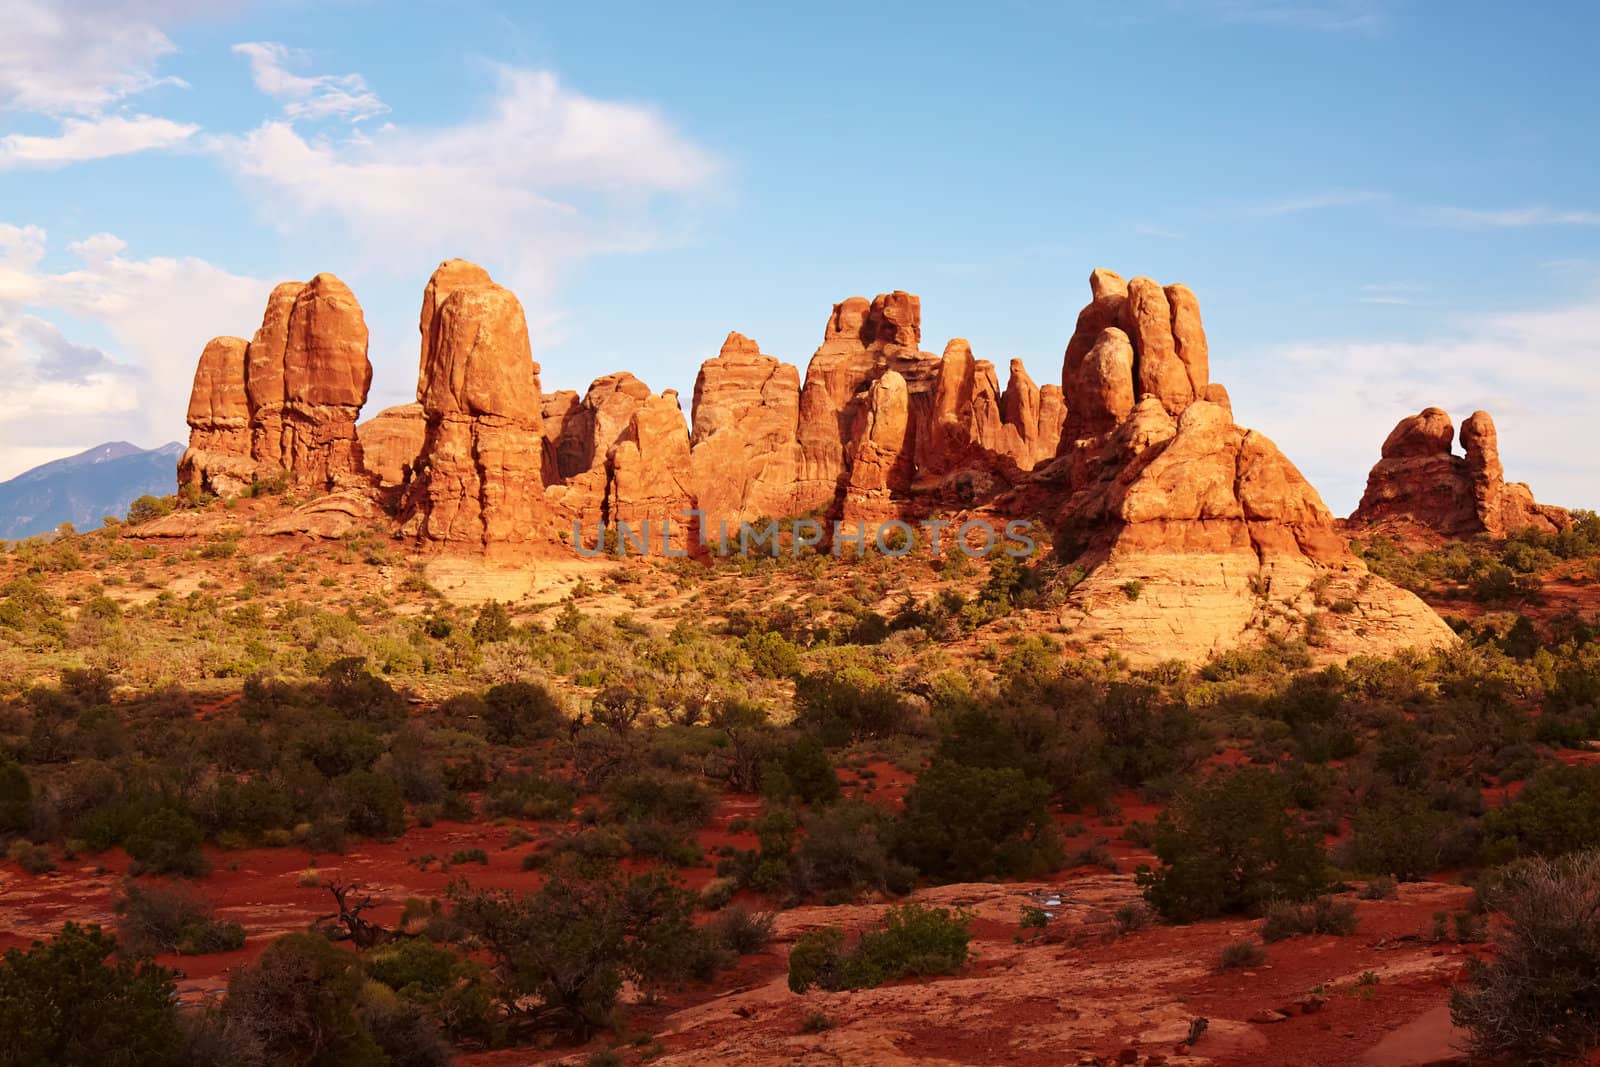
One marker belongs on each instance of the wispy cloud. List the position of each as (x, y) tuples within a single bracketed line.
[(92, 138), (1322, 16), (78, 64), (1318, 201), (1147, 230), (1511, 218), (1393, 293), (77, 58), (313, 97)]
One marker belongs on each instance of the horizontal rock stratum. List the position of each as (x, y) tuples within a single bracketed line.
[(1190, 533)]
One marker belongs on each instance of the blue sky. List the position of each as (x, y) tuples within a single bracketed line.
[(1380, 204)]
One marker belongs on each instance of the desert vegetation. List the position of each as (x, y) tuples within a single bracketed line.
[(879, 729)]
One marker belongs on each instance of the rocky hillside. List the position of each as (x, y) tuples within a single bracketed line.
[(1191, 534)]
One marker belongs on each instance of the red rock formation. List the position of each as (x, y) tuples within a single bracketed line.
[(264, 379), (649, 470), (299, 384), (1419, 479), (326, 375), (306, 378), (391, 441), (879, 468), (745, 452), (1197, 534), (479, 476), (218, 457)]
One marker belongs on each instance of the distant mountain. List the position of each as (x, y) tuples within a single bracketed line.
[(85, 488)]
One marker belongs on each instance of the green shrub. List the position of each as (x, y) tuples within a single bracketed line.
[(1229, 844), (970, 823), (742, 932), (772, 655), (370, 804), (1558, 811), (914, 941), (845, 852), (35, 859), (65, 1002), (298, 1003), (166, 842), (568, 946), (529, 796), (1399, 836), (655, 795), (492, 624), (849, 706), (801, 770), (516, 713), (414, 962)]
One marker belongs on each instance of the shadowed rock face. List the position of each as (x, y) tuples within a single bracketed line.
[(1418, 478), (391, 441), (299, 385), (479, 476)]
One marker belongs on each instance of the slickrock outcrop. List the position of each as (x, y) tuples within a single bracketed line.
[(745, 451), (218, 457), (391, 441), (1419, 479), (479, 476), (299, 385), (1197, 534)]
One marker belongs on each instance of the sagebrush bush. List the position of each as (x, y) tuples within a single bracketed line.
[(1324, 915), (1539, 998), (155, 918), (1240, 954)]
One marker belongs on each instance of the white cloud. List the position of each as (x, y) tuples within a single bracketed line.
[(1511, 218), (66, 395), (316, 97), (1329, 404), (547, 175), (92, 138), (77, 61), (79, 56)]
